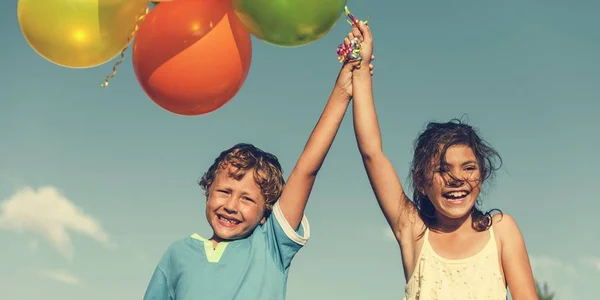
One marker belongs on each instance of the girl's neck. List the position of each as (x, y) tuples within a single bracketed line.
[(448, 225)]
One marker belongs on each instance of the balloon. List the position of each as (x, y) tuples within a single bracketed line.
[(156, 2), (191, 57), (289, 22), (79, 33)]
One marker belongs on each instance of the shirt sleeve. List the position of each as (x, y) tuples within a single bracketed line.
[(159, 288), (285, 242)]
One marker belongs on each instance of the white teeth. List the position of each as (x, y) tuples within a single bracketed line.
[(228, 220), (457, 194)]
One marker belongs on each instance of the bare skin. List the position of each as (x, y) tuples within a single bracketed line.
[(454, 237), (235, 207)]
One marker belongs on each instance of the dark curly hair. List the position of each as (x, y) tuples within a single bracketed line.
[(244, 158), (433, 143)]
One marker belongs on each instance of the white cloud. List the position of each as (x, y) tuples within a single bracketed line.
[(594, 262), (60, 275), (547, 265), (49, 213), (561, 276), (33, 245)]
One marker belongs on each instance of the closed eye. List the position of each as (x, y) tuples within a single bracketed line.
[(441, 169), (249, 199)]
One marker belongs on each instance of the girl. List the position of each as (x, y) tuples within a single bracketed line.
[(450, 248)]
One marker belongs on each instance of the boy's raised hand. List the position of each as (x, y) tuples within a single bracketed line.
[(344, 80)]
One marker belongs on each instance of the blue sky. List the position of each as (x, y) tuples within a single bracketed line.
[(105, 180)]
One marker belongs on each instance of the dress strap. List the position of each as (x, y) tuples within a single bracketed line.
[(426, 236)]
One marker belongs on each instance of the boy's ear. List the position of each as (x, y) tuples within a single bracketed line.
[(264, 217)]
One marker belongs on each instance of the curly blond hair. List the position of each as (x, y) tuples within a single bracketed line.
[(242, 158)]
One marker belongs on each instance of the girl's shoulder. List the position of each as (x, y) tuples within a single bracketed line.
[(506, 228)]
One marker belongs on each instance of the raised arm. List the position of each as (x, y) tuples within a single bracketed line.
[(515, 260), (384, 180), (299, 185)]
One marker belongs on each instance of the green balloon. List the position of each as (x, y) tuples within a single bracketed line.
[(289, 23)]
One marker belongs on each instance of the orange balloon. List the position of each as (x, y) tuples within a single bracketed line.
[(191, 57)]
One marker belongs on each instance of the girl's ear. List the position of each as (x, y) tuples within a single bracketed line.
[(420, 189)]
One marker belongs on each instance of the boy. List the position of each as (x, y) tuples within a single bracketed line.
[(258, 224)]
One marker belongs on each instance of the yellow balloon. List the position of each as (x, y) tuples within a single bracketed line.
[(79, 33)]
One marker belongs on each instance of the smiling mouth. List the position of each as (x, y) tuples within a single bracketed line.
[(227, 222), (456, 196)]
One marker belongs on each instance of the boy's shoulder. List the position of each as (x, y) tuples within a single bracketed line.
[(190, 243), (182, 251)]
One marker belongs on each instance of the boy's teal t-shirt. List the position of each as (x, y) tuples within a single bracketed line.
[(254, 268)]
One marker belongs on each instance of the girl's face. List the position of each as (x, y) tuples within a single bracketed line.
[(453, 188)]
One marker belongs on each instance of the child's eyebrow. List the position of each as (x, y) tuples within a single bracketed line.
[(249, 194), (468, 162)]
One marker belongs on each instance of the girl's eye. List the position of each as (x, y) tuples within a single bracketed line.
[(248, 199), (223, 192), (471, 168)]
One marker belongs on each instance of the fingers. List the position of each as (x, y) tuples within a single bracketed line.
[(353, 65), (351, 36), (365, 31), (360, 33), (356, 33), (356, 64)]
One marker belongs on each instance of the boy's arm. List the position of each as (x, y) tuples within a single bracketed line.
[(158, 288), (383, 178), (515, 261), (300, 182)]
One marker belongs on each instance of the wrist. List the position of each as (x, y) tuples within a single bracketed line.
[(363, 72), (340, 93)]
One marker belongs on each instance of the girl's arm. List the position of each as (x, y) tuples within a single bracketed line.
[(515, 260), (394, 203)]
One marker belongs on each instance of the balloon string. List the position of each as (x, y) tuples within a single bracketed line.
[(122, 58), (351, 19), (350, 52)]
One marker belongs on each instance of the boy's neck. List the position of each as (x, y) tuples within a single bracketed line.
[(215, 240)]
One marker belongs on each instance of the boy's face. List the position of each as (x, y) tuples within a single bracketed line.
[(234, 207)]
